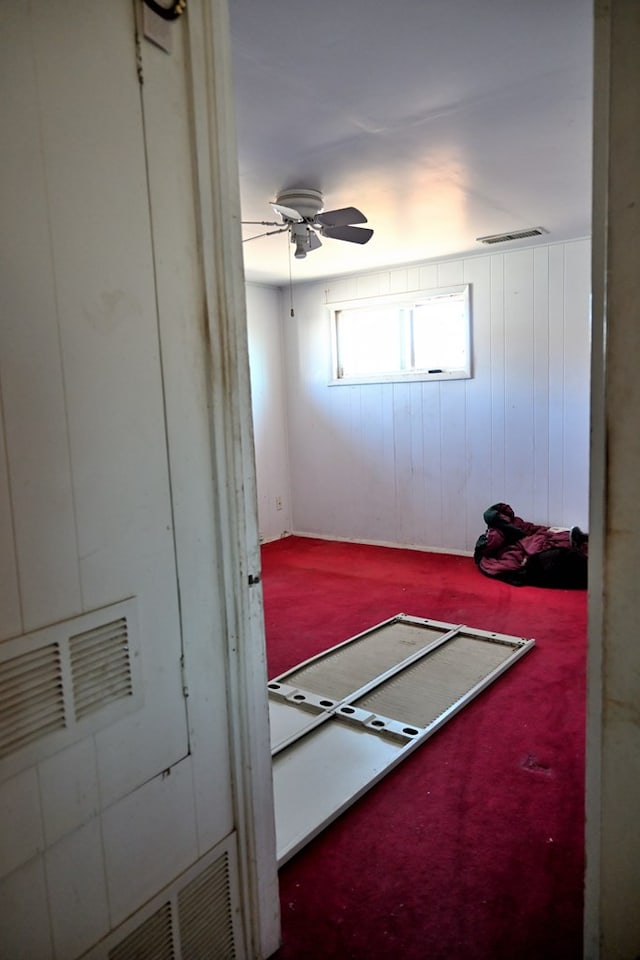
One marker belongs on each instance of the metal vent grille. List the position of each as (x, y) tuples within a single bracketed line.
[(100, 667), (513, 235), (205, 914), (31, 698), (66, 681), (195, 917), (423, 692), (152, 940), (351, 665)]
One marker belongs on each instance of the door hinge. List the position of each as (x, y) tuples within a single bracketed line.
[(183, 675), (139, 70)]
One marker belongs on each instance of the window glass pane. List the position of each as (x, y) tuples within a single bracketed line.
[(439, 332), (369, 341), (412, 336)]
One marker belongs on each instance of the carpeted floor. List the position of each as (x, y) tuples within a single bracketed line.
[(473, 847)]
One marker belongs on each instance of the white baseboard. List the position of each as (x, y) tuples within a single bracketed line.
[(378, 543)]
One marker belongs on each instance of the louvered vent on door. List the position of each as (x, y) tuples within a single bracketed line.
[(100, 667), (196, 917), (31, 698), (67, 681), (205, 915), (152, 940)]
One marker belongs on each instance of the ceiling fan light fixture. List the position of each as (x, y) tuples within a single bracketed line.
[(306, 203), (301, 216), (301, 251)]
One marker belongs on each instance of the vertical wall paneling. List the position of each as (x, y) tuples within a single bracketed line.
[(540, 506), (109, 345), (497, 382), (371, 285), (11, 617), (83, 886), (69, 790), (353, 446), (419, 463), (432, 491), (557, 348), (406, 479), (334, 460), (428, 278), (80, 376), (398, 281), (519, 437), (381, 458), (21, 837), (191, 458), (450, 272), (31, 374), (106, 300), (455, 459), (419, 453), (453, 446), (478, 491), (266, 316), (132, 837), (23, 896), (576, 357)]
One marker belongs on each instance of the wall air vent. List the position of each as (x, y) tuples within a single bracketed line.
[(195, 917), (100, 667), (513, 235), (152, 940), (31, 698), (65, 682), (205, 914)]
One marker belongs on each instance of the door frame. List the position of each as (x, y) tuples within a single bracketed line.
[(235, 496)]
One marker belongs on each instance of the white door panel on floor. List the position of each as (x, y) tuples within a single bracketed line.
[(338, 728)]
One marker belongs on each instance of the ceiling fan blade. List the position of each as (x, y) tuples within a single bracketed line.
[(341, 217), (287, 212), (352, 234)]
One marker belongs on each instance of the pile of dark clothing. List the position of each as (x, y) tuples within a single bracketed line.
[(523, 553)]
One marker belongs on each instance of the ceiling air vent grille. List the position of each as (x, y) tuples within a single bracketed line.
[(31, 698), (513, 235), (152, 940), (205, 914), (100, 667)]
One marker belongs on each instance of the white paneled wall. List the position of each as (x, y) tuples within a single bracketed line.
[(265, 327), (418, 463)]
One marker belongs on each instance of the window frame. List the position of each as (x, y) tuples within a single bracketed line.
[(401, 301)]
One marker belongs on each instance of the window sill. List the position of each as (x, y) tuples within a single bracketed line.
[(414, 377)]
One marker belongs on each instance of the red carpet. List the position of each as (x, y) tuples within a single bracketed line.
[(473, 847)]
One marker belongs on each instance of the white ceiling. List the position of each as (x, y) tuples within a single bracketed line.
[(442, 120)]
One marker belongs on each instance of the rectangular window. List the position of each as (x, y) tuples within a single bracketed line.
[(416, 336)]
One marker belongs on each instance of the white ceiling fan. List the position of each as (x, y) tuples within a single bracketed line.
[(300, 210)]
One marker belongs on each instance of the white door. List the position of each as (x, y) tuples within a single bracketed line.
[(109, 565)]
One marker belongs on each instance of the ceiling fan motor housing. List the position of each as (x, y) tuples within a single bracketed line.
[(307, 202)]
